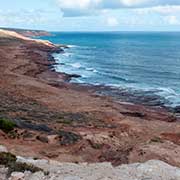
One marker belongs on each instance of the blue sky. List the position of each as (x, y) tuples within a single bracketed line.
[(91, 15)]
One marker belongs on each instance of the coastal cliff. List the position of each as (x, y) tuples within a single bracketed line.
[(42, 115)]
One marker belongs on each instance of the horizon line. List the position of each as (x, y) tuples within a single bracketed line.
[(93, 31)]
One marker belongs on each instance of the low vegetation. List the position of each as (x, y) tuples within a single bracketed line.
[(156, 140), (6, 125), (9, 160), (68, 138)]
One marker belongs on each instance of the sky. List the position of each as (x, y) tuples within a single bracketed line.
[(91, 15)]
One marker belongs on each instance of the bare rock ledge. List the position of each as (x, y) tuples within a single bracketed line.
[(150, 170)]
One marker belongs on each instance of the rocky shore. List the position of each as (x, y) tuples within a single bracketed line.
[(44, 116)]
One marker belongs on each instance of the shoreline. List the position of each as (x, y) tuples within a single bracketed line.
[(154, 97), (120, 94), (66, 122)]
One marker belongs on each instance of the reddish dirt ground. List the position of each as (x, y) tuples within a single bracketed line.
[(62, 121)]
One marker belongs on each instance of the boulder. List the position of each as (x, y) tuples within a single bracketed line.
[(52, 139), (36, 176), (17, 176), (68, 138), (42, 138), (3, 148), (3, 173)]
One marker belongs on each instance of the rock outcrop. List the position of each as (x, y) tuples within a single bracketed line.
[(53, 170)]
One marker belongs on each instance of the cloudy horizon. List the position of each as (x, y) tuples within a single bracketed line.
[(92, 15)]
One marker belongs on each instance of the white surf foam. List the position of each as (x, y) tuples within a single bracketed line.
[(76, 65), (72, 46), (91, 69)]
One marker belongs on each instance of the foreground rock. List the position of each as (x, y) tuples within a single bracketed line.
[(151, 170), (32, 169)]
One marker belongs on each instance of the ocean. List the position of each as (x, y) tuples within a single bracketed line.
[(141, 67)]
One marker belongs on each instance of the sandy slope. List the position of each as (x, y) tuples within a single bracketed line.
[(12, 34)]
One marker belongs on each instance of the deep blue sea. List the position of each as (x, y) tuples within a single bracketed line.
[(144, 64)]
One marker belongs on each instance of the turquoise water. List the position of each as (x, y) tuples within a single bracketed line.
[(147, 65)]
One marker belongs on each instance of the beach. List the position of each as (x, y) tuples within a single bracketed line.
[(67, 122)]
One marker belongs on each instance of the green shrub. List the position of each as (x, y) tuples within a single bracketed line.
[(22, 167), (67, 138), (6, 125), (96, 146), (156, 140), (9, 160)]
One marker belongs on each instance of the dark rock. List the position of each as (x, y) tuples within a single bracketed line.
[(171, 118), (74, 76), (95, 145), (117, 157), (134, 114), (68, 138), (43, 139), (68, 77), (36, 127), (27, 135), (177, 109)]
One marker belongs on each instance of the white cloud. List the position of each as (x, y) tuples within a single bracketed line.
[(112, 21), (26, 17), (163, 10), (168, 14), (78, 4), (78, 7), (90, 7), (134, 2), (172, 20)]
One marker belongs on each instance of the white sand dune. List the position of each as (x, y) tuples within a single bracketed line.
[(12, 34)]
